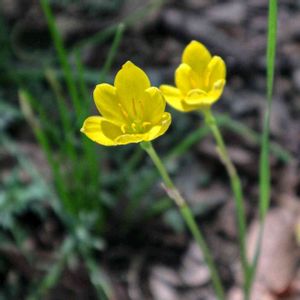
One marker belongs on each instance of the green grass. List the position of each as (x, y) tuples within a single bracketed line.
[(75, 167), (264, 164), (74, 160), (264, 178), (62, 55)]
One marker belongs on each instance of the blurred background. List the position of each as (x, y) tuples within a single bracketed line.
[(82, 221)]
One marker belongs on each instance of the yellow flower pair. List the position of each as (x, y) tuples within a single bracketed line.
[(133, 111)]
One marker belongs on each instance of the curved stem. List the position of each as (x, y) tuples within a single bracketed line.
[(187, 216), (236, 187)]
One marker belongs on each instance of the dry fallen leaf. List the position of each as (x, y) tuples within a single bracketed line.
[(279, 253), (163, 282), (194, 271)]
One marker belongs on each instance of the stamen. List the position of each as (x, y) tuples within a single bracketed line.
[(124, 112), (134, 127), (134, 107), (142, 109), (123, 128)]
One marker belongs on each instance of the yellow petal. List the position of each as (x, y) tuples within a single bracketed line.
[(130, 83), (182, 78), (154, 105), (217, 89), (173, 96), (216, 70), (170, 91), (198, 98), (108, 104), (100, 130), (159, 129), (196, 56), (195, 93), (130, 138)]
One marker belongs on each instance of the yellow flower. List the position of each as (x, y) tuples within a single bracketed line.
[(199, 79), (132, 111)]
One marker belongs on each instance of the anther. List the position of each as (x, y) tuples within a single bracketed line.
[(134, 127)]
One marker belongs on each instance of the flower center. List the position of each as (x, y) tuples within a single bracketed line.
[(137, 126), (134, 123)]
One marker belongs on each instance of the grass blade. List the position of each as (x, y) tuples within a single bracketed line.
[(264, 164), (128, 21), (89, 148), (65, 146), (234, 126), (62, 55), (27, 101), (112, 52), (264, 170)]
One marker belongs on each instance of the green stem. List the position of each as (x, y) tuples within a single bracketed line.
[(236, 188), (187, 216)]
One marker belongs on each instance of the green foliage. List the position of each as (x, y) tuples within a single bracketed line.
[(264, 170), (79, 193), (17, 197), (91, 6), (8, 115), (265, 143)]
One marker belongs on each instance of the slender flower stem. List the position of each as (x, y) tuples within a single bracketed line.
[(187, 216), (236, 188)]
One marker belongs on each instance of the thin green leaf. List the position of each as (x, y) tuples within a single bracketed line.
[(27, 101), (264, 176), (62, 55), (264, 167), (128, 21), (112, 52)]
